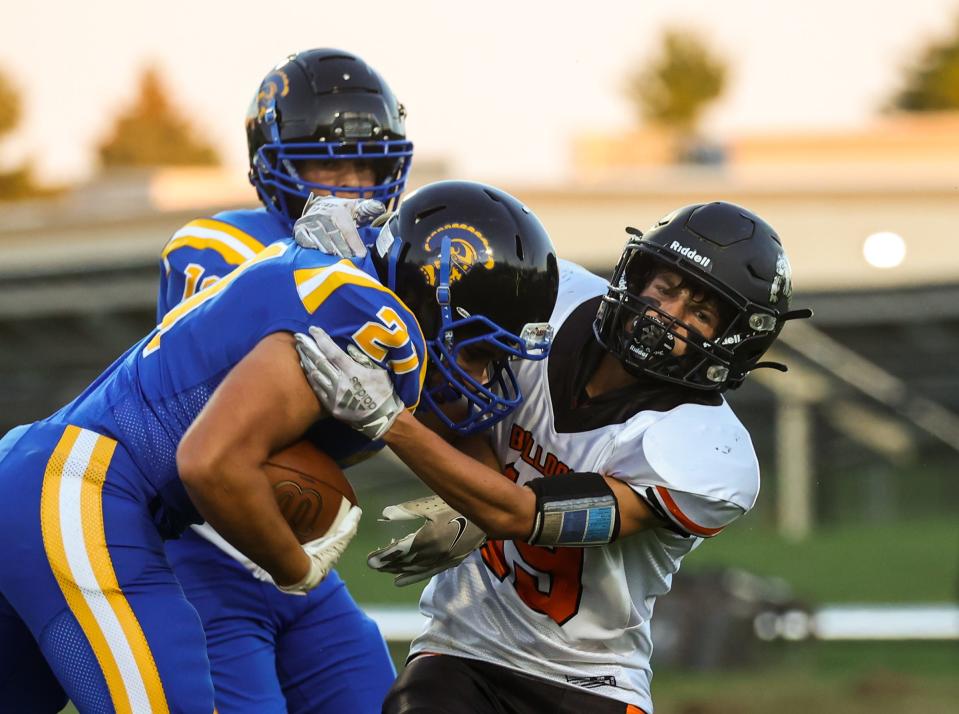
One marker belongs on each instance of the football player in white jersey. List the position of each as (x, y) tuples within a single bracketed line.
[(623, 457)]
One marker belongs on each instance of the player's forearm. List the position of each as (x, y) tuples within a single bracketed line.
[(263, 404), (237, 501), (496, 504)]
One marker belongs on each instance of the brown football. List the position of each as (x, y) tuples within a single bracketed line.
[(309, 488)]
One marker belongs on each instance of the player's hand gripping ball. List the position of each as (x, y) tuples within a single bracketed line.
[(311, 490), (318, 503)]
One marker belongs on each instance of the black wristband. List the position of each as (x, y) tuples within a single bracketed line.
[(574, 510)]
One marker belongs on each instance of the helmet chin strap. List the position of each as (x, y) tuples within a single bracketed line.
[(442, 287), (395, 249), (443, 292), (269, 118)]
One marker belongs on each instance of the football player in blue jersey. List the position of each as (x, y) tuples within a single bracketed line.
[(178, 429), (323, 122)]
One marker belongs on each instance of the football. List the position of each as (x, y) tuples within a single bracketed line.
[(310, 489)]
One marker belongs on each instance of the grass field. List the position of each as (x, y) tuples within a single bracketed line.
[(828, 678), (904, 561), (900, 561)]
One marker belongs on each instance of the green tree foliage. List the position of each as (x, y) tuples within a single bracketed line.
[(151, 133), (675, 88), (9, 105), (931, 83), (17, 183)]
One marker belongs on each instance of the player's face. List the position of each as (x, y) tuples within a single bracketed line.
[(694, 306), (345, 174), (476, 361)]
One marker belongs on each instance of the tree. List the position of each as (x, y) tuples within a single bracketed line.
[(17, 183), (675, 88), (9, 105), (151, 133), (931, 83)]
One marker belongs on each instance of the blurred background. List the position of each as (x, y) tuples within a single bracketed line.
[(838, 122)]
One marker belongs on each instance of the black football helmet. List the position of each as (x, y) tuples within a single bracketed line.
[(477, 269), (324, 105), (730, 252)]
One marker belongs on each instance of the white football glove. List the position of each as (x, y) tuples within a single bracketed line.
[(443, 541), (325, 551), (350, 386), (329, 224)]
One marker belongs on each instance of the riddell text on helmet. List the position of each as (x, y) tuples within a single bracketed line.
[(690, 253)]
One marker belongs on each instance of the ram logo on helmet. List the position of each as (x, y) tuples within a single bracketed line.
[(276, 84), (468, 248)]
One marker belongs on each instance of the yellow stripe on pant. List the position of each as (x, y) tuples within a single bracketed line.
[(71, 515)]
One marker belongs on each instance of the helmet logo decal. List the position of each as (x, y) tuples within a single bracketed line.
[(690, 254), (782, 284), (276, 84), (468, 248), (653, 340)]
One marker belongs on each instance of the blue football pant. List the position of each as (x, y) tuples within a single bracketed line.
[(26, 682), (84, 572), (271, 652)]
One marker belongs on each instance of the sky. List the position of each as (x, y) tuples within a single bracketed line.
[(498, 88)]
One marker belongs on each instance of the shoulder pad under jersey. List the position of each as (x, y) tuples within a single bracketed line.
[(704, 470), (352, 306), (576, 286)]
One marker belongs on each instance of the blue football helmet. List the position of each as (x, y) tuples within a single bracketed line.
[(325, 105), (479, 271)]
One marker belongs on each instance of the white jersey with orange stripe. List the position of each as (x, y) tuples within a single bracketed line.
[(582, 616)]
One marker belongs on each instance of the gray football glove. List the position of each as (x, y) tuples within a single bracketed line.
[(442, 542), (350, 386), (329, 224), (325, 551)]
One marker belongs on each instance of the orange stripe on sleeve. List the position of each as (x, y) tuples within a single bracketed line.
[(682, 518)]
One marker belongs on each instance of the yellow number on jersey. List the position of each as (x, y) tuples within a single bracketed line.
[(192, 303), (375, 338), (192, 274)]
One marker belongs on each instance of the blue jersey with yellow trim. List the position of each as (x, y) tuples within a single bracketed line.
[(148, 398), (206, 249)]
